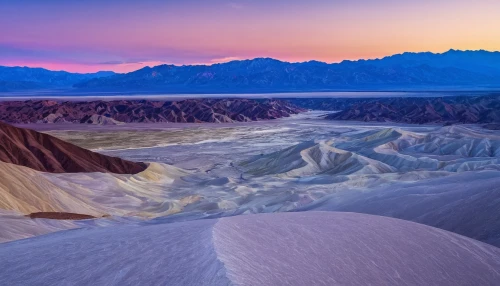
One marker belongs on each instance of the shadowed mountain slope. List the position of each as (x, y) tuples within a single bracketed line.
[(45, 153)]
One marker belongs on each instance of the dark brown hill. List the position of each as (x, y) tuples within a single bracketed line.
[(46, 153), (446, 110)]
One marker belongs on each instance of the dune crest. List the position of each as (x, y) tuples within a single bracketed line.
[(265, 249)]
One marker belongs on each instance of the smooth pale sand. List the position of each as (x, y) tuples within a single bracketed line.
[(313, 248), (24, 191), (97, 194)]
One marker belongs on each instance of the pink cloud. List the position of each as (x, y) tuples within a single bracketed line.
[(225, 60)]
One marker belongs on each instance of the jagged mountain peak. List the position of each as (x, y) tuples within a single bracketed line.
[(406, 71)]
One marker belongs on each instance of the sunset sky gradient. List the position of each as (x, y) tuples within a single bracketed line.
[(125, 35)]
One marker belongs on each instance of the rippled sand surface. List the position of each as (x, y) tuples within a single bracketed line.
[(309, 248)]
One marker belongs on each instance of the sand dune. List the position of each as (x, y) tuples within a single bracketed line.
[(466, 203), (336, 165), (386, 151), (447, 142), (269, 249), (314, 158), (26, 191), (449, 149), (146, 194), (15, 226)]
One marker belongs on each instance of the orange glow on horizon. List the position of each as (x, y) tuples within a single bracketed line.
[(157, 32)]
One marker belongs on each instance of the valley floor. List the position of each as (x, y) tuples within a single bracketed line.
[(446, 177)]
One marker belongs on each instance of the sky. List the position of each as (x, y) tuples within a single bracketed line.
[(125, 35)]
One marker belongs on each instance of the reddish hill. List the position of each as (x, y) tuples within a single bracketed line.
[(46, 153), (453, 109), (141, 111)]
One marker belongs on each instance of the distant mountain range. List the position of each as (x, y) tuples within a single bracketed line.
[(453, 69), (408, 71), (25, 78)]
